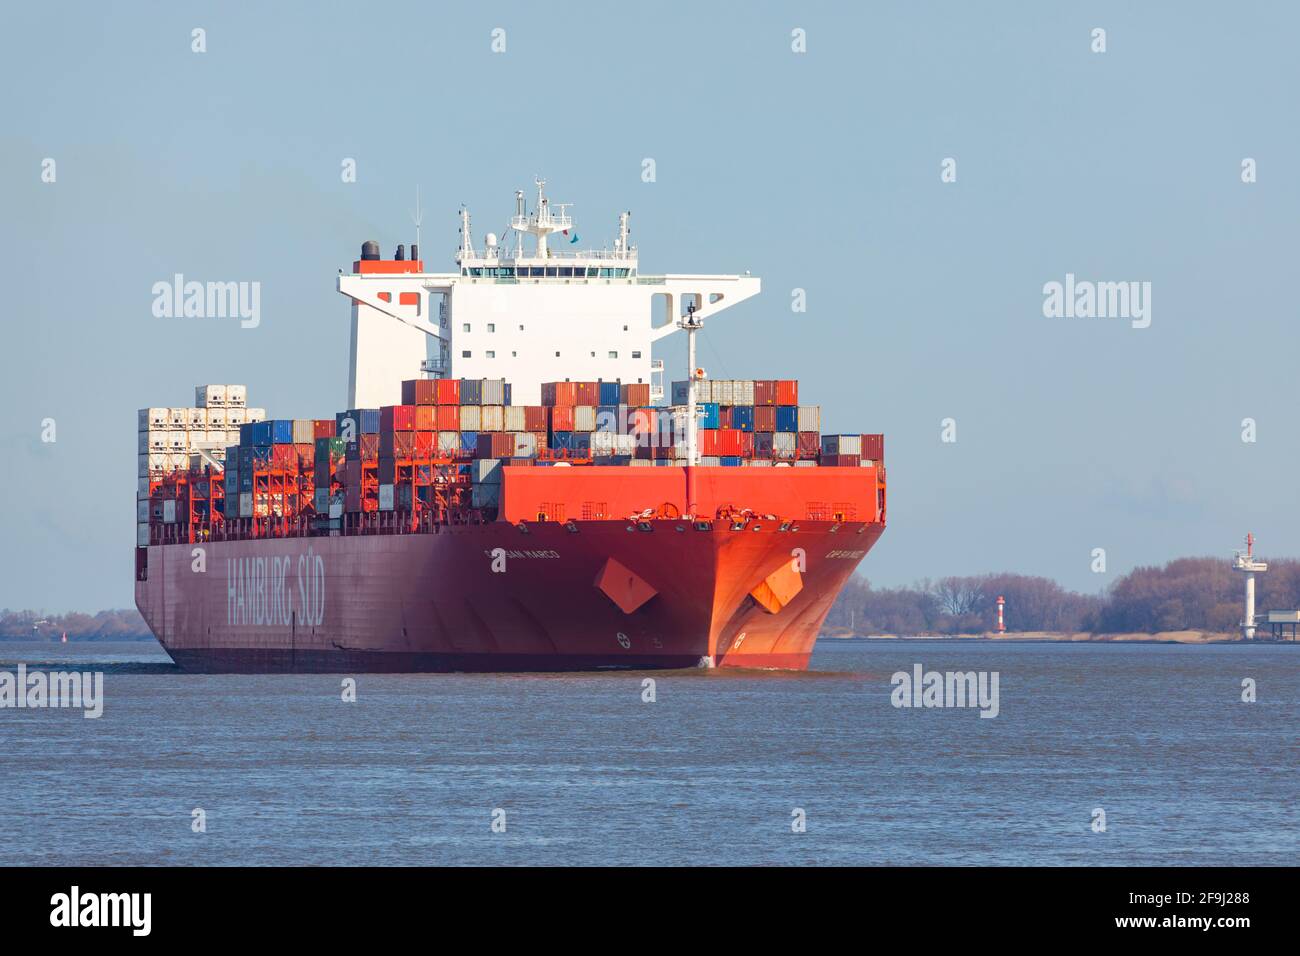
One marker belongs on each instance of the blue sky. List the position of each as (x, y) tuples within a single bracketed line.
[(818, 171)]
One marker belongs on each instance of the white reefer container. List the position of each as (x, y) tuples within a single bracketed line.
[(209, 395)]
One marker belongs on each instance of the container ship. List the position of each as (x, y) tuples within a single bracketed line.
[(511, 486)]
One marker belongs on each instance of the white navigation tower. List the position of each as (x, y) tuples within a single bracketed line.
[(1248, 564), (531, 307)]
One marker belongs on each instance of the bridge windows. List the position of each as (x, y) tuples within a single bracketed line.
[(544, 272)]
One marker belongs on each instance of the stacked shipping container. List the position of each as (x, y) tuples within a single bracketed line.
[(176, 440), (441, 451)]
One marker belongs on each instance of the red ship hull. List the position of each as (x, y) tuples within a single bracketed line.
[(433, 603), (579, 595)]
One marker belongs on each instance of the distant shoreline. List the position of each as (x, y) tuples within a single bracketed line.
[(1061, 637), (1064, 637)]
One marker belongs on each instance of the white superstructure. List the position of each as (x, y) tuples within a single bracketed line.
[(530, 309)]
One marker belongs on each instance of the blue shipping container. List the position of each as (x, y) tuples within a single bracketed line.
[(471, 391), (469, 442), (608, 393), (281, 431), (732, 461), (571, 441), (710, 417), (255, 433), (742, 418), (787, 418)]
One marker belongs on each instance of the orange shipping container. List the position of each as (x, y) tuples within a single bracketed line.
[(787, 391), (426, 417), (635, 393), (562, 417), (448, 418), (560, 394)]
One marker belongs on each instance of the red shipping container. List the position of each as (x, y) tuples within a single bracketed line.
[(764, 417), (284, 456), (419, 391), (762, 444), (587, 393), (562, 418), (726, 443), (495, 444), (426, 417), (448, 418), (447, 391), (809, 444), (787, 391), (560, 394), (306, 457), (765, 392), (640, 421), (873, 447), (724, 416), (368, 447), (399, 445), (322, 428), (634, 393), (842, 461), (535, 418), (400, 418)]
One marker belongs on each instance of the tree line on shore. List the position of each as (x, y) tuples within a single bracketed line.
[(1188, 594), (119, 625)]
